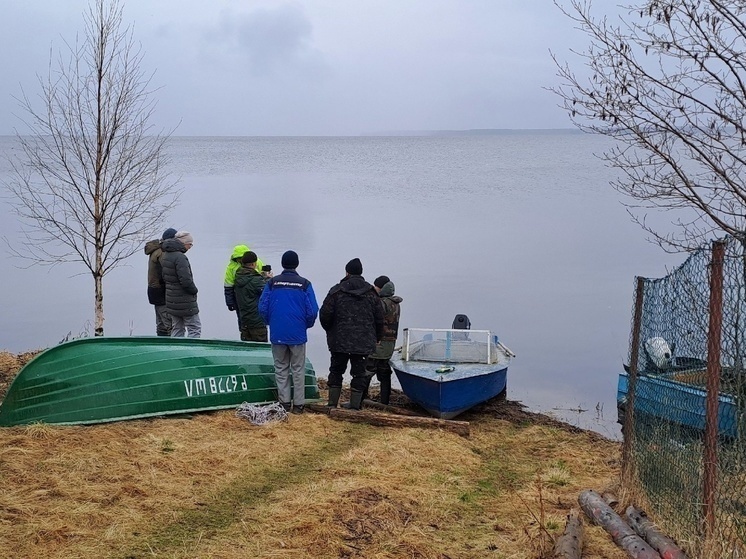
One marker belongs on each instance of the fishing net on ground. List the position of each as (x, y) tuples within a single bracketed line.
[(262, 414)]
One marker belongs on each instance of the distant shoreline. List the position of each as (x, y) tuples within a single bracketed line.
[(394, 133), (476, 132)]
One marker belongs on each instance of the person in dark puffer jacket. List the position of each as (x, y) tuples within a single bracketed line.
[(181, 293), (352, 316), (156, 287)]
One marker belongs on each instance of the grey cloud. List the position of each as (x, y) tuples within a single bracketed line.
[(269, 41)]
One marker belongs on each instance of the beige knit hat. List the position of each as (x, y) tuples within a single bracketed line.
[(185, 237)]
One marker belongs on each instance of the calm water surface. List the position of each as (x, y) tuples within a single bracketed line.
[(521, 232)]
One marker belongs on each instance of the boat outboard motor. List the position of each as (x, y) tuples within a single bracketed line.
[(658, 355), (461, 322)]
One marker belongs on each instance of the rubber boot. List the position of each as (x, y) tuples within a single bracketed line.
[(356, 400), (367, 386), (334, 393), (385, 389)]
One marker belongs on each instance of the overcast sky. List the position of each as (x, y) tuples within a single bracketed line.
[(318, 67)]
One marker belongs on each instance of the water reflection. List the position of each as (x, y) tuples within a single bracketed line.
[(520, 232)]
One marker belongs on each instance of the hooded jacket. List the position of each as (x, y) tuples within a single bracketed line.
[(156, 287), (230, 273), (248, 287), (288, 306), (391, 313), (181, 293), (352, 316)]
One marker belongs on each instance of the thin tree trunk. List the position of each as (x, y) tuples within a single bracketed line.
[(99, 304)]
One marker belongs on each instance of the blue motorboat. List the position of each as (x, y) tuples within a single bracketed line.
[(448, 371), (677, 398)]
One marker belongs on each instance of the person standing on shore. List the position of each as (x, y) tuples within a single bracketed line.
[(288, 306), (229, 291), (156, 286), (352, 316), (181, 292), (248, 287), (378, 362)]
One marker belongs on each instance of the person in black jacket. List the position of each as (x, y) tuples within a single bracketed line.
[(352, 316), (181, 293)]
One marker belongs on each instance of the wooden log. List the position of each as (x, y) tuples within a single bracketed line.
[(393, 409), (388, 420), (610, 499), (318, 408), (625, 537), (570, 544), (641, 524)]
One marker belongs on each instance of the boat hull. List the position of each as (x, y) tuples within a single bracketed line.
[(96, 380), (664, 398), (446, 395)]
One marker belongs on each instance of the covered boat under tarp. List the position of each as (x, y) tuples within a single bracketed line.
[(96, 380)]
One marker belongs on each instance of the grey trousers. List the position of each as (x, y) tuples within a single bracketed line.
[(183, 324), (290, 360), (162, 321)]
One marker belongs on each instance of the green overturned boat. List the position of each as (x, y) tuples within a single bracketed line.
[(96, 380)]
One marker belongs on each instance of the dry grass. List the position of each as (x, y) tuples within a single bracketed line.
[(10, 364), (216, 486)]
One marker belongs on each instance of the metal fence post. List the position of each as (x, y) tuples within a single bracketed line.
[(629, 412), (709, 484)]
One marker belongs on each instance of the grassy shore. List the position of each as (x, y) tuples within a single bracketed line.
[(311, 487)]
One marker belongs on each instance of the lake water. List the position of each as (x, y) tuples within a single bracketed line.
[(521, 232)]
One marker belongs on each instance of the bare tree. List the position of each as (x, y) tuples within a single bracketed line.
[(667, 81), (91, 181)]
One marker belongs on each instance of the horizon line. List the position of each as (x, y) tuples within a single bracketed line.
[(433, 132)]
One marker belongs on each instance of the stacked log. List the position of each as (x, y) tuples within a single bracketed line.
[(641, 524), (625, 537)]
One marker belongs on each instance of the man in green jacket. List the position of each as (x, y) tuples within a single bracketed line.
[(248, 287), (234, 263)]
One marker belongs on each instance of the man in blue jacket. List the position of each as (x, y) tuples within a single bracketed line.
[(288, 306)]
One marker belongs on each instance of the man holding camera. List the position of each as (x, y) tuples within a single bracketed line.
[(248, 287), (234, 263), (288, 306)]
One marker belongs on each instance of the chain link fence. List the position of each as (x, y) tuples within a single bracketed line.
[(682, 398)]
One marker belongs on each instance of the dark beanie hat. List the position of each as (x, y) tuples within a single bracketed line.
[(354, 267), (290, 260), (169, 233), (249, 257), (381, 281)]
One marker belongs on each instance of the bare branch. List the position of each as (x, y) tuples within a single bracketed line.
[(667, 82), (92, 178)]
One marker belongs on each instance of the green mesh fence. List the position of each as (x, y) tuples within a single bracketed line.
[(667, 441)]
